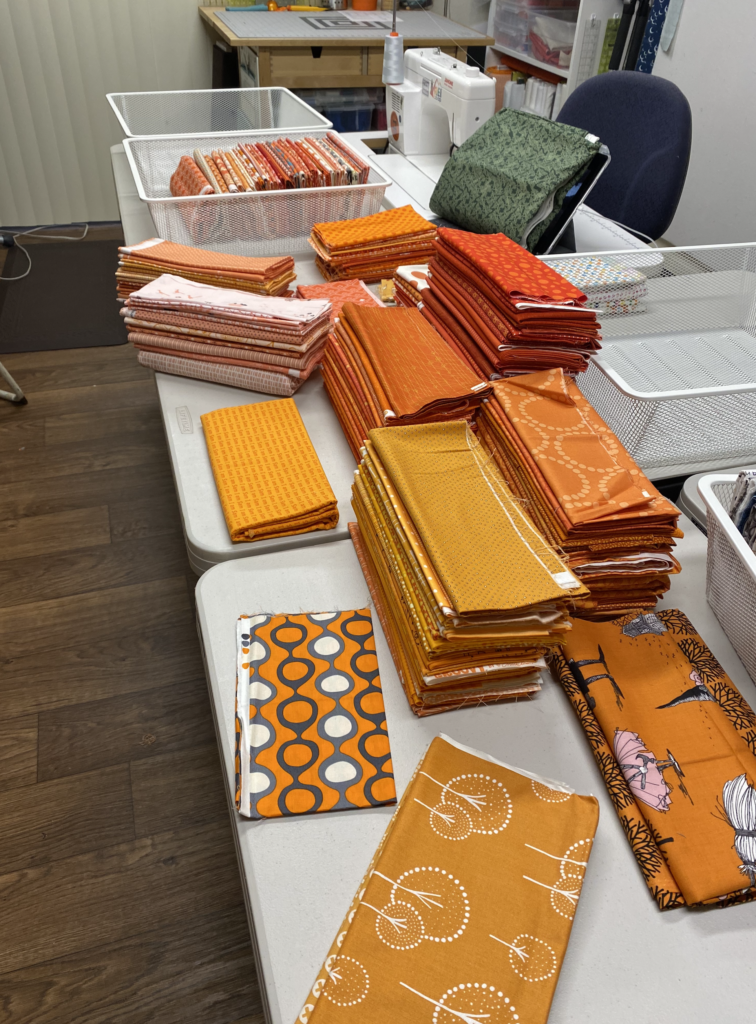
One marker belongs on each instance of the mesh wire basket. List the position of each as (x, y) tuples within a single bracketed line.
[(677, 381), (730, 570), (248, 223), (212, 111)]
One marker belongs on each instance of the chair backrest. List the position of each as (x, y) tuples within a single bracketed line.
[(646, 123)]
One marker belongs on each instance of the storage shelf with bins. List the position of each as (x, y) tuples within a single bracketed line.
[(592, 18)]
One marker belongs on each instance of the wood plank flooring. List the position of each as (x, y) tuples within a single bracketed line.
[(120, 899)]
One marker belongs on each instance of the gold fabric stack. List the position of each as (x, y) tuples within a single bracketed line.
[(142, 263), (269, 477), (372, 247), (583, 491), (470, 595)]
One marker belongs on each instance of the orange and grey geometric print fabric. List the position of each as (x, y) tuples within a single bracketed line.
[(310, 722), (467, 906)]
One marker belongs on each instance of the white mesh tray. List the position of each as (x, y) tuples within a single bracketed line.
[(677, 382), (248, 223), (212, 112), (730, 570)]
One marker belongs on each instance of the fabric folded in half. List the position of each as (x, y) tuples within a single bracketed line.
[(310, 724), (268, 382), (175, 319), (466, 908), (611, 288), (470, 595), (372, 247), (583, 491), (388, 367), (339, 292), (676, 744), (142, 263), (409, 283), (269, 478), (507, 309)]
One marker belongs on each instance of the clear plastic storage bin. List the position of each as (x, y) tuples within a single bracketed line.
[(246, 223), (514, 21), (212, 111), (730, 570)]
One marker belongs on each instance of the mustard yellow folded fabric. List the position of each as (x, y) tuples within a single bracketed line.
[(486, 551), (466, 909), (269, 478)]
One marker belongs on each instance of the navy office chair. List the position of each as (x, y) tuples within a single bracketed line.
[(646, 123)]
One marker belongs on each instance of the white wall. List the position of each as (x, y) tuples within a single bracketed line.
[(712, 61), (58, 59)]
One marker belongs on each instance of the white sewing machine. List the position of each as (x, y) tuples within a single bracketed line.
[(441, 103)]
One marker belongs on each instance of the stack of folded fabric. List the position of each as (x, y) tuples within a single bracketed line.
[(269, 478), (269, 166), (409, 283), (583, 491), (372, 247), (387, 367), (470, 595), (611, 289), (675, 742), (258, 342), (743, 506), (339, 292), (511, 312), (142, 263)]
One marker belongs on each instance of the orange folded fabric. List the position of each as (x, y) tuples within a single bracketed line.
[(583, 490), (511, 312), (339, 292), (675, 742), (466, 908), (388, 367), (142, 263), (372, 247), (188, 180)]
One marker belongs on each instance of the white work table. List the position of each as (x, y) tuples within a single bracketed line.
[(627, 963)]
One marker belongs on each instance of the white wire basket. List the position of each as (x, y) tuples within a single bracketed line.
[(212, 112), (730, 570), (247, 223), (677, 382)]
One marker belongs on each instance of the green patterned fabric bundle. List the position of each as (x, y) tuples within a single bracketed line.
[(512, 175)]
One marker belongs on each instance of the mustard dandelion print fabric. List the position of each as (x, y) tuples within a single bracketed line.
[(466, 909), (310, 722)]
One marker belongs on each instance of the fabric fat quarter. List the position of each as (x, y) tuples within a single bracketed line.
[(310, 722), (287, 491), (467, 906), (675, 742)]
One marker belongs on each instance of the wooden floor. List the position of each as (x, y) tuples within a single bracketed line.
[(120, 898)]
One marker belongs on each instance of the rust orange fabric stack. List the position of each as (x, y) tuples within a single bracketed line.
[(466, 909), (509, 310), (388, 367), (675, 743), (583, 490), (372, 247), (470, 595), (142, 263)]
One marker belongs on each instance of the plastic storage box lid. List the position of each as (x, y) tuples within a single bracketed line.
[(212, 112)]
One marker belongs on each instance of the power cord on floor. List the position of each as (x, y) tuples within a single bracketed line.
[(8, 239)]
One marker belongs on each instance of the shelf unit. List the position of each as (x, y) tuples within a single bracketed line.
[(591, 25)]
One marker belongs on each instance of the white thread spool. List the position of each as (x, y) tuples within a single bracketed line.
[(393, 59)]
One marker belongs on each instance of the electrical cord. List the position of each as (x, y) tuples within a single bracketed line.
[(43, 227)]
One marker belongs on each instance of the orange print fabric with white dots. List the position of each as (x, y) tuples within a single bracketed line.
[(467, 906)]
